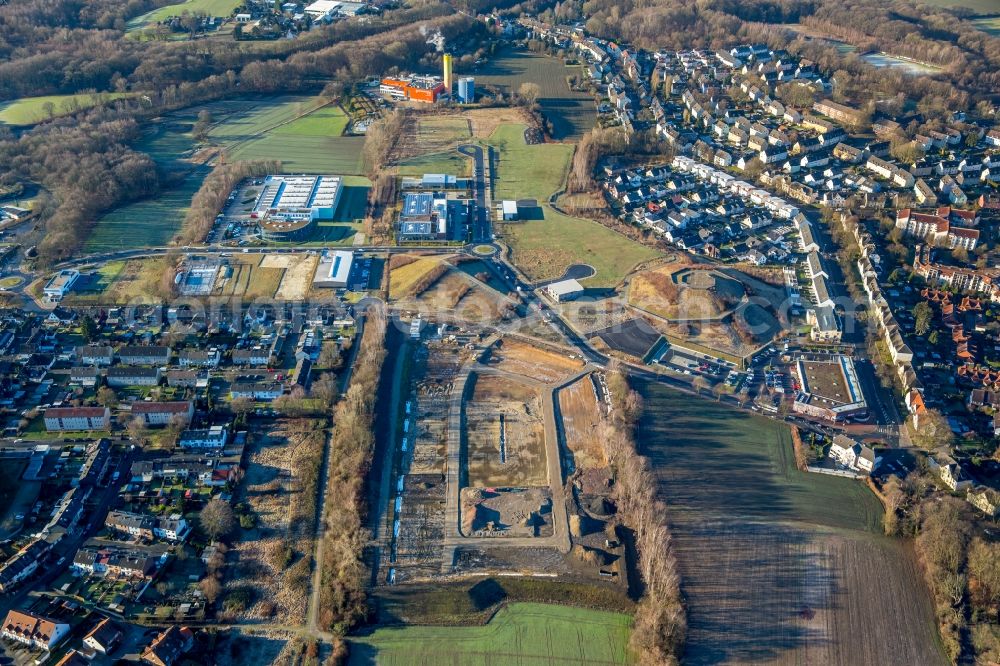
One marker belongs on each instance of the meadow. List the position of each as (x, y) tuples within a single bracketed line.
[(544, 248), (221, 8), (572, 113), (778, 565), (527, 634), (31, 110)]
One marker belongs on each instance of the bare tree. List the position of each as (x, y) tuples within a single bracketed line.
[(217, 519)]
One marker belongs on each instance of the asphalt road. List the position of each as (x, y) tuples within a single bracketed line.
[(480, 222)]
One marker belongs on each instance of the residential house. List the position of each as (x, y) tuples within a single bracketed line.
[(259, 391), (95, 355), (144, 355), (103, 638), (214, 437), (84, 375), (168, 646), (33, 630), (197, 358), (172, 528), (65, 419), (129, 376), (163, 413), (24, 563), (985, 499), (134, 524)]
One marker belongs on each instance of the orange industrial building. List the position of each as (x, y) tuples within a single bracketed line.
[(417, 88)]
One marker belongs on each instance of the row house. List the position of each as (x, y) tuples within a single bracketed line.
[(67, 419), (131, 376), (163, 413), (36, 631), (95, 355), (144, 355)]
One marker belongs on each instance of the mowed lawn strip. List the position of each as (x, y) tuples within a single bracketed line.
[(30, 110), (326, 121), (526, 634), (544, 248)]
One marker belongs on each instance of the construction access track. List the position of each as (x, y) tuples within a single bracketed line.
[(454, 539)]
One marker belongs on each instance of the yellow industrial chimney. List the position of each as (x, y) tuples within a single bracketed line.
[(446, 61)]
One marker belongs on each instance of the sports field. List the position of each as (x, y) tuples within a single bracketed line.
[(777, 565), (525, 634), (572, 113), (31, 110), (544, 248), (221, 8)]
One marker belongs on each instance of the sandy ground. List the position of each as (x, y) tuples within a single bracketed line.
[(580, 418), (538, 364), (298, 277)]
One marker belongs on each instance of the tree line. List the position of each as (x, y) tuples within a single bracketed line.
[(212, 195), (343, 598), (660, 618)]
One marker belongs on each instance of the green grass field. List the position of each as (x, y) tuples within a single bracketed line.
[(980, 6), (544, 248), (290, 129), (221, 8), (31, 110), (446, 162), (572, 113), (525, 634), (990, 26), (327, 121), (152, 222)]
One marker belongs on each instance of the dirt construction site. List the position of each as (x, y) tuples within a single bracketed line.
[(490, 429)]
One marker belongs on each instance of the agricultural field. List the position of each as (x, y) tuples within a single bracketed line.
[(280, 487), (31, 110), (572, 113), (990, 25), (581, 417), (544, 248), (289, 129), (149, 223), (532, 362), (218, 8), (527, 634), (778, 565), (505, 435)]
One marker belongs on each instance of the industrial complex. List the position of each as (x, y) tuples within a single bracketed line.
[(430, 89), (288, 206)]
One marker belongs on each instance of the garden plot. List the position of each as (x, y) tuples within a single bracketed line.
[(504, 434), (580, 413), (280, 489), (537, 364)]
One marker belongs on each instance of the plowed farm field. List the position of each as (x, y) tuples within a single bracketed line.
[(778, 566)]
